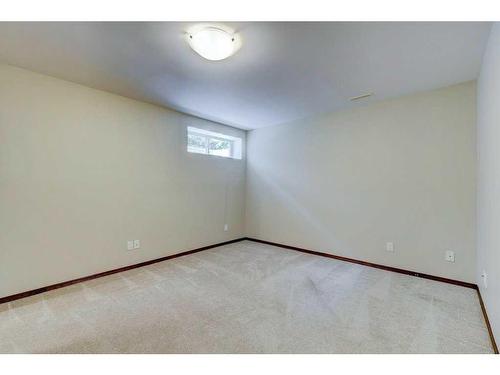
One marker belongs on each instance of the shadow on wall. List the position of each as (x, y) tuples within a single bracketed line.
[(294, 214)]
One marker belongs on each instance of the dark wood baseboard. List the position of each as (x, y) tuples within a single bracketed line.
[(374, 265), (487, 321), (394, 269), (110, 272), (146, 263)]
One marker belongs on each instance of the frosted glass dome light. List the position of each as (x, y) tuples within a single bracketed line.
[(213, 43)]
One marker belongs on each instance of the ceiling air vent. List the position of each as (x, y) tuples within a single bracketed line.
[(354, 98)]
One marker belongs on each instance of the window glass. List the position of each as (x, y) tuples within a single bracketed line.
[(220, 147), (197, 143), (201, 141)]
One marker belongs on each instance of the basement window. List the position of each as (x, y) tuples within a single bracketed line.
[(200, 141)]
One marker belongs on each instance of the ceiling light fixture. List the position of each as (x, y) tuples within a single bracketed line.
[(213, 43)]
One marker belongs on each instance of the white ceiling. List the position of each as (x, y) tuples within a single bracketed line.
[(283, 71)]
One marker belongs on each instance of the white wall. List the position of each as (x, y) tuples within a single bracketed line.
[(82, 171), (346, 183), (488, 178)]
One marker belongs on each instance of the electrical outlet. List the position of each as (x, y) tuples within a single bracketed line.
[(450, 256), (389, 246), (137, 244), (484, 275), (130, 245), (226, 227)]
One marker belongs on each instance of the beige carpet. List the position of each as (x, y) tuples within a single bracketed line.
[(248, 298)]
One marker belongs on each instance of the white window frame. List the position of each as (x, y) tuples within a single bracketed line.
[(235, 142)]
